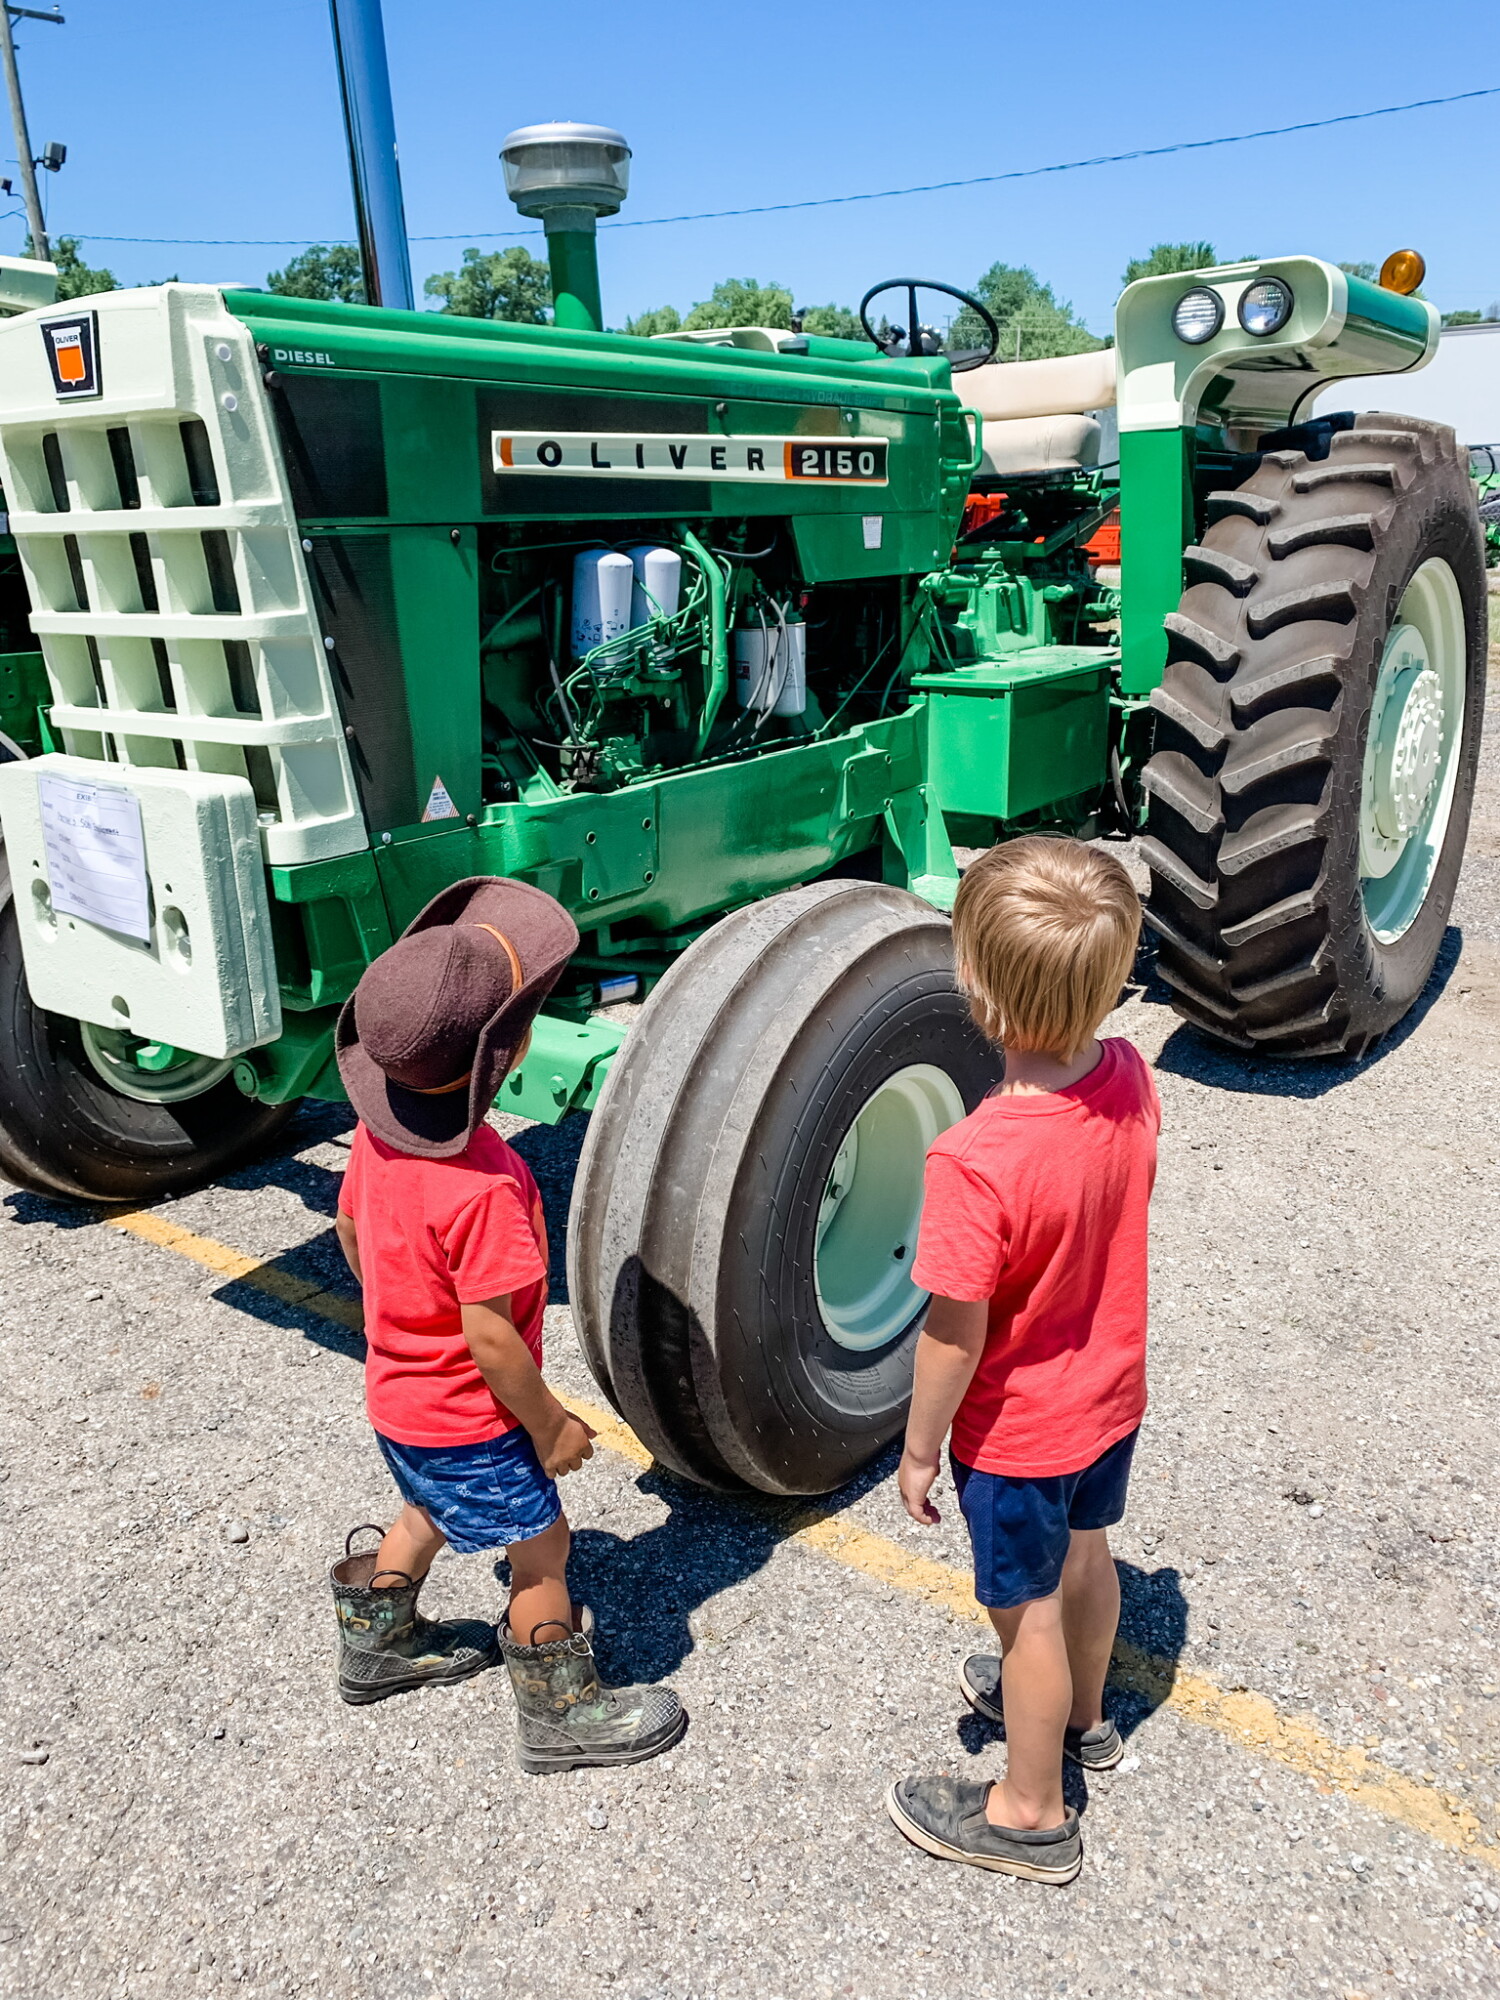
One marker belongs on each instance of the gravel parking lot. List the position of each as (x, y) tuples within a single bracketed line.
[(1312, 1808)]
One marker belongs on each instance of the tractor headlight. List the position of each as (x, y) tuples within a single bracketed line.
[(1265, 306), (1197, 315)]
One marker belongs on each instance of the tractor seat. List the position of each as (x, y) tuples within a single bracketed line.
[(1059, 387), (1038, 444)]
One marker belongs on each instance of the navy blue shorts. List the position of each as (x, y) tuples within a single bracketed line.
[(1020, 1527), (482, 1496)]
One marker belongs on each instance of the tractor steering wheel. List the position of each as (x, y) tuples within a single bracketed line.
[(914, 338)]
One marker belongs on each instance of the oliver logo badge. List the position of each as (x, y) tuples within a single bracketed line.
[(73, 353), (858, 461)]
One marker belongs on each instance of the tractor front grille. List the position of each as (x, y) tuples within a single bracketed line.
[(169, 592)]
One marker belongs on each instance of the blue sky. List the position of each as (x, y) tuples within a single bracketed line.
[(207, 118)]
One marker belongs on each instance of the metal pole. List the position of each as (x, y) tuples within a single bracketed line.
[(365, 86), (40, 247)]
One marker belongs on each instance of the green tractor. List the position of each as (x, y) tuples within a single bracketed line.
[(25, 283), (729, 644), (1484, 469)]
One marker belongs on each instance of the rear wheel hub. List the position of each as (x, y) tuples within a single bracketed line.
[(1416, 725)]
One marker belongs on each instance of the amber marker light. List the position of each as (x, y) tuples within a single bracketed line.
[(1402, 272)]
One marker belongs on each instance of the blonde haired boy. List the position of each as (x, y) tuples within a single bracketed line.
[(1033, 1245)]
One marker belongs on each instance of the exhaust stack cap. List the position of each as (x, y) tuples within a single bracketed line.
[(558, 167)]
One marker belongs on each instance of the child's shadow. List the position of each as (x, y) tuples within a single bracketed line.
[(644, 1589), (1153, 1632)]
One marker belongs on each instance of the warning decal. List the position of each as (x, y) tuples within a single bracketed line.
[(439, 803)]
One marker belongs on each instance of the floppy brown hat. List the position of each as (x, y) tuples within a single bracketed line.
[(435, 1022)]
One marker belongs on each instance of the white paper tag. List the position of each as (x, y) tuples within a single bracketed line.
[(439, 803), (872, 525), (96, 854)]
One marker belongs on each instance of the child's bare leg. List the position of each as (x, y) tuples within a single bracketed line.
[(411, 1542), (539, 1584), (1090, 1616), (1037, 1691)]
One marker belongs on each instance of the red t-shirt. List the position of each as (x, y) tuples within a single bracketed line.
[(435, 1235), (1038, 1204)]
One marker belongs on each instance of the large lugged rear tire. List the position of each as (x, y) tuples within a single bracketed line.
[(745, 1207), (63, 1130), (1317, 734)]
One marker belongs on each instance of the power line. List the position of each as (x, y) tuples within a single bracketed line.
[(842, 200)]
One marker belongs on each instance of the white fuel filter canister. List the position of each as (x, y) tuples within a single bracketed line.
[(658, 582), (770, 666), (602, 582)]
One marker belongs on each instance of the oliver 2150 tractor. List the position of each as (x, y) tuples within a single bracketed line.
[(728, 643)]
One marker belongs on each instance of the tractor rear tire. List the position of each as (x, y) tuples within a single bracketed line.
[(64, 1131), (1317, 736), (745, 1208)]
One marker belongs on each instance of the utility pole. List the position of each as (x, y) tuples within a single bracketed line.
[(40, 247)]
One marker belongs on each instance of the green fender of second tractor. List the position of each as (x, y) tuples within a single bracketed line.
[(1156, 525)]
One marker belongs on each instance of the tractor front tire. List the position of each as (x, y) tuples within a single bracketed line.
[(64, 1131), (1317, 736), (745, 1209)]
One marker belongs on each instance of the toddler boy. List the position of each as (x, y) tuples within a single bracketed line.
[(442, 1225), (1033, 1245)]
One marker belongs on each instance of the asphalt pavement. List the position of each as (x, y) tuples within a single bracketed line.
[(1310, 1679)]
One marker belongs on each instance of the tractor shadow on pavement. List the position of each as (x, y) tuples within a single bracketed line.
[(652, 1592), (1189, 1054)]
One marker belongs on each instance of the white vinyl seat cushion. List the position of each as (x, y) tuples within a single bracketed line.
[(1062, 386), (1038, 444)]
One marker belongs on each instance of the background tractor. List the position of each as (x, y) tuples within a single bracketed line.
[(726, 642)]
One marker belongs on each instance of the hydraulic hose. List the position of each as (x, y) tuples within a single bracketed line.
[(718, 651)]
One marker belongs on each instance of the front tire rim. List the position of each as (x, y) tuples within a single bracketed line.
[(872, 1202), (114, 1055), (1411, 751)]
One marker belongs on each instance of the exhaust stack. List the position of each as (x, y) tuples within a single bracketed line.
[(569, 175), (374, 167)]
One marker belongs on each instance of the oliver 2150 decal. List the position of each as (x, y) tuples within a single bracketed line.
[(657, 455)]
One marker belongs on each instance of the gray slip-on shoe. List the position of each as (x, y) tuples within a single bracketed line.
[(1097, 1749), (946, 1816)]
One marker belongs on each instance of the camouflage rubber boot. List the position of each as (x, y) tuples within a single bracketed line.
[(385, 1647), (566, 1715)]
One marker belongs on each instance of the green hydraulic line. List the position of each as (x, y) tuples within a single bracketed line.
[(718, 652)]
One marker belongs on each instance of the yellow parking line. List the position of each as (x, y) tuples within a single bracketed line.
[(268, 1278), (1249, 1720)]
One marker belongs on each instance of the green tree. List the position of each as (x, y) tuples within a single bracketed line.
[(660, 319), (75, 279), (1164, 258), (1359, 271), (496, 284), (1463, 318), (323, 271), (1033, 322), (741, 302), (833, 322)]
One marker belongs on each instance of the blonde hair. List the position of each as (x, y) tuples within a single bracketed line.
[(1044, 935)]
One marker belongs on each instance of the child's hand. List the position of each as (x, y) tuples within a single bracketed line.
[(915, 1478), (564, 1448)]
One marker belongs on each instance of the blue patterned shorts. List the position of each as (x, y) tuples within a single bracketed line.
[(482, 1496)]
